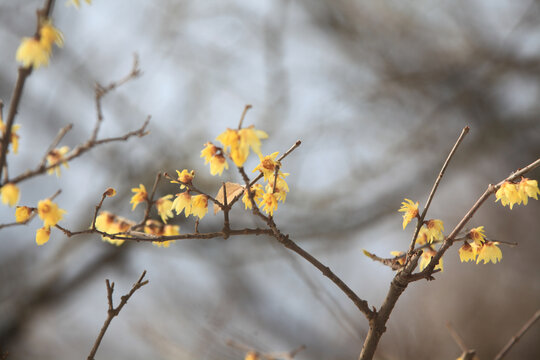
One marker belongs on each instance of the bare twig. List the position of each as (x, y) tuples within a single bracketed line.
[(459, 341), (149, 202), (518, 336), (246, 108), (420, 222), (55, 143), (112, 311)]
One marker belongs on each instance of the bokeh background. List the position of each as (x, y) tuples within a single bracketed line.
[(377, 92)]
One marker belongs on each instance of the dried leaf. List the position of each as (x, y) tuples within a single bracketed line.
[(233, 189)]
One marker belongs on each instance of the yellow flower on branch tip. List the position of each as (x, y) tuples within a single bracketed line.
[(269, 203), (10, 194), (23, 213), (42, 235), (140, 196), (184, 177), (252, 137), (199, 205), (49, 212), (489, 252), (110, 192), (477, 235), (508, 194), (268, 164), (182, 202), (410, 211), (528, 188), (208, 152), (164, 207), (434, 229), (258, 194), (425, 259), (467, 252), (240, 141), (56, 157)]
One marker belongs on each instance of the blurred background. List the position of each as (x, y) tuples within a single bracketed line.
[(378, 92)]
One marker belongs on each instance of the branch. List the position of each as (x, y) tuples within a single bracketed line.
[(420, 222), (518, 336), (112, 311)]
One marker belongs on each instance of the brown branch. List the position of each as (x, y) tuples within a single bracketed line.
[(518, 336), (459, 341), (55, 143), (420, 222), (246, 108), (226, 208), (149, 202), (112, 311)]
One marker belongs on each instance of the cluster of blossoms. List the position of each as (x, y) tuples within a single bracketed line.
[(479, 248), (47, 211), (512, 194)]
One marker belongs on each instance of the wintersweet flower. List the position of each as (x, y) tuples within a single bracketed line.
[(258, 193), (23, 213), (282, 188), (164, 207), (477, 235), (422, 237), (508, 194), (42, 235), (251, 355), (467, 252), (49, 212), (184, 177), (252, 137), (140, 196), (425, 259), (77, 3), (37, 51), (56, 157), (489, 252), (269, 202), (168, 230), (14, 136), (268, 165), (399, 255), (528, 188), (208, 152), (10, 194), (112, 224), (182, 202), (410, 211), (110, 192), (240, 141), (435, 230), (199, 205)]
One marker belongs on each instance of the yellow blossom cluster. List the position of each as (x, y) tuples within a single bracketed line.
[(36, 51), (140, 196), (410, 211), (51, 214), (479, 248), (214, 155), (512, 194), (112, 224), (10, 194), (156, 228), (237, 143), (196, 205)]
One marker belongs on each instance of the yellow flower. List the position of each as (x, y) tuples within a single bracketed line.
[(240, 141), (140, 196), (37, 51), (110, 192), (422, 237), (184, 177), (42, 235), (164, 207), (23, 213), (467, 252), (208, 152), (435, 230), (425, 259), (257, 196), (168, 230), (10, 194), (528, 188), (49, 212), (77, 3), (214, 156), (153, 227), (269, 203), (410, 210), (32, 53), (508, 194), (14, 136), (282, 188), (199, 205), (489, 252), (267, 166), (112, 224), (182, 202), (477, 235), (56, 157)]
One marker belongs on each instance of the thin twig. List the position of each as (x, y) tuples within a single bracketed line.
[(518, 336), (112, 311), (149, 202), (420, 222), (459, 341), (246, 108), (226, 208), (55, 143)]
